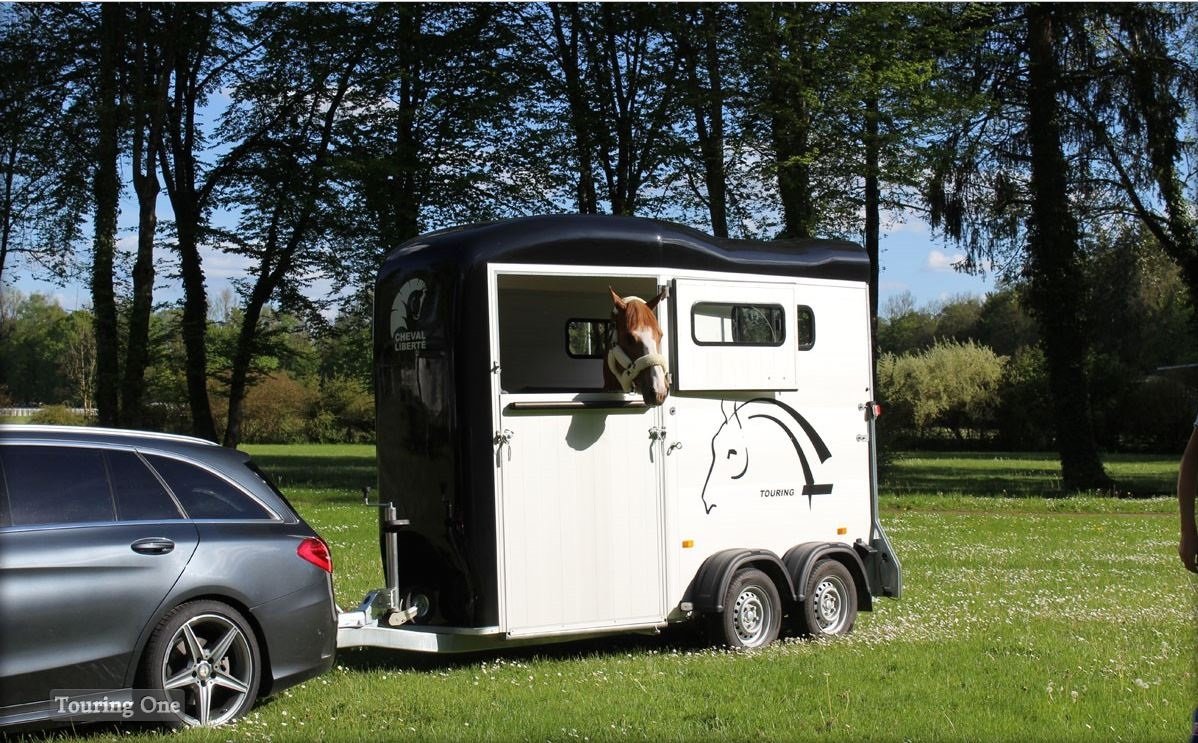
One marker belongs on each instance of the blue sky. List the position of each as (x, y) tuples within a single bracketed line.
[(912, 260)]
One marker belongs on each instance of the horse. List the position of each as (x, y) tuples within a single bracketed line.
[(633, 356), (730, 450)]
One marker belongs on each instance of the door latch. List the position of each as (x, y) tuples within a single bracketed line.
[(504, 438), (657, 433)]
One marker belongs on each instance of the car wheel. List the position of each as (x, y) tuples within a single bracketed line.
[(752, 612), (831, 604), (204, 655)]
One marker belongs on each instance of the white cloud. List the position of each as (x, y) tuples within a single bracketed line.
[(938, 260)]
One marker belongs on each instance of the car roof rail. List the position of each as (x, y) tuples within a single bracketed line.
[(98, 431)]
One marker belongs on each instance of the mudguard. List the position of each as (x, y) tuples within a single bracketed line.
[(711, 582), (800, 560)]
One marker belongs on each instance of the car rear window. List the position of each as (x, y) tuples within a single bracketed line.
[(139, 494), (204, 495), (56, 485)]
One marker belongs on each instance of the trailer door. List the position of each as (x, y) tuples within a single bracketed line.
[(579, 507)]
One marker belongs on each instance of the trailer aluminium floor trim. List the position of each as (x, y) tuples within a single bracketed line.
[(590, 425)]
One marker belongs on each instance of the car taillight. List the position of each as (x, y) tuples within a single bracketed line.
[(315, 551)]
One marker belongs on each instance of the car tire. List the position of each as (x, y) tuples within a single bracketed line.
[(830, 608), (752, 614), (204, 655)]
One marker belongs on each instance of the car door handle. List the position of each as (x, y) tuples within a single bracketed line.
[(152, 546)]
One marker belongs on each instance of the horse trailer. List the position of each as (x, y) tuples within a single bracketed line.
[(592, 425)]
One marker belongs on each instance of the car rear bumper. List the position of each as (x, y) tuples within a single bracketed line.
[(300, 630)]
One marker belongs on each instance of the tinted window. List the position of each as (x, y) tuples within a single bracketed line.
[(56, 485), (203, 494), (806, 321), (585, 338), (723, 324), (139, 495)]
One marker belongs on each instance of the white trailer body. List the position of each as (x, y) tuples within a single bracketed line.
[(537, 506)]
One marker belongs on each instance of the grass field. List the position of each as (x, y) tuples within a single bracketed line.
[(1023, 618)]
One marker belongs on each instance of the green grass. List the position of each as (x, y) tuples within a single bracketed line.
[(1023, 618)]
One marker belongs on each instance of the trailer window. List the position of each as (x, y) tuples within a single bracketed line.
[(805, 318), (726, 324), (585, 339)]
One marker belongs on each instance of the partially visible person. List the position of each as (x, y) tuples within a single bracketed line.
[(1187, 483)]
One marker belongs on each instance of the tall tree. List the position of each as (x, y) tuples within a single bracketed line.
[(45, 131), (147, 103), (1135, 87), (697, 36), (282, 188), (210, 47), (106, 190), (1056, 285), (1002, 171)]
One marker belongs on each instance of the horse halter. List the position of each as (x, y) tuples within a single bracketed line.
[(624, 368)]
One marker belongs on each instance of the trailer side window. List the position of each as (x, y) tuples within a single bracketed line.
[(806, 327), (726, 324), (585, 338)]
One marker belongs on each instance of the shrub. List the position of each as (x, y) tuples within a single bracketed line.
[(276, 411), (58, 415), (952, 385)]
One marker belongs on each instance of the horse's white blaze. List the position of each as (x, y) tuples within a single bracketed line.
[(657, 375)]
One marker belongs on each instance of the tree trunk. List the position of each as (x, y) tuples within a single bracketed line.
[(707, 106), (790, 127), (194, 325), (106, 190), (1056, 287), (580, 114), (149, 99)]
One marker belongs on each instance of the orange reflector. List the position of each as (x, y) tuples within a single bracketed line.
[(688, 543), (841, 530)]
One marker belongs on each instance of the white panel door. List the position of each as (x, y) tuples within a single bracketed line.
[(734, 335), (581, 519)]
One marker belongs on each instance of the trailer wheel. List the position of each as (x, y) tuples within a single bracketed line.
[(752, 612), (831, 604)]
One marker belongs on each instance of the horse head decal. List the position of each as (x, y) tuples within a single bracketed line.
[(730, 458)]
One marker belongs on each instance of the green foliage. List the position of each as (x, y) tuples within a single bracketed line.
[(951, 384), (1024, 414), (57, 415)]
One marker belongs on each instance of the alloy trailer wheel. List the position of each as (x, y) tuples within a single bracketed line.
[(752, 613), (206, 652)]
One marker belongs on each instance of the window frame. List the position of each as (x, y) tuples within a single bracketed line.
[(572, 320), (733, 306), (810, 343), (274, 516)]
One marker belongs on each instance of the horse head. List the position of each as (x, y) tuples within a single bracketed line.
[(634, 358)]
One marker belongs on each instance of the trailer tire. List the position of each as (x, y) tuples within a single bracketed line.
[(752, 614), (830, 608)]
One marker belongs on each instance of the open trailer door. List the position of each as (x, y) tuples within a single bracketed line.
[(578, 470)]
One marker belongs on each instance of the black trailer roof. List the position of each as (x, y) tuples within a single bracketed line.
[(585, 239)]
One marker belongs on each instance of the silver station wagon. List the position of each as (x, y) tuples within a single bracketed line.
[(148, 564)]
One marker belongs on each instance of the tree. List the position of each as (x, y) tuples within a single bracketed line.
[(282, 186), (1056, 288), (1000, 185), (1138, 73), (106, 191), (43, 135), (209, 46)]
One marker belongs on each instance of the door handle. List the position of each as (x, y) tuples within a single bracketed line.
[(153, 546)]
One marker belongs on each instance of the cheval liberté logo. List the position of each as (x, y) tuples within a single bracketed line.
[(408, 316)]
